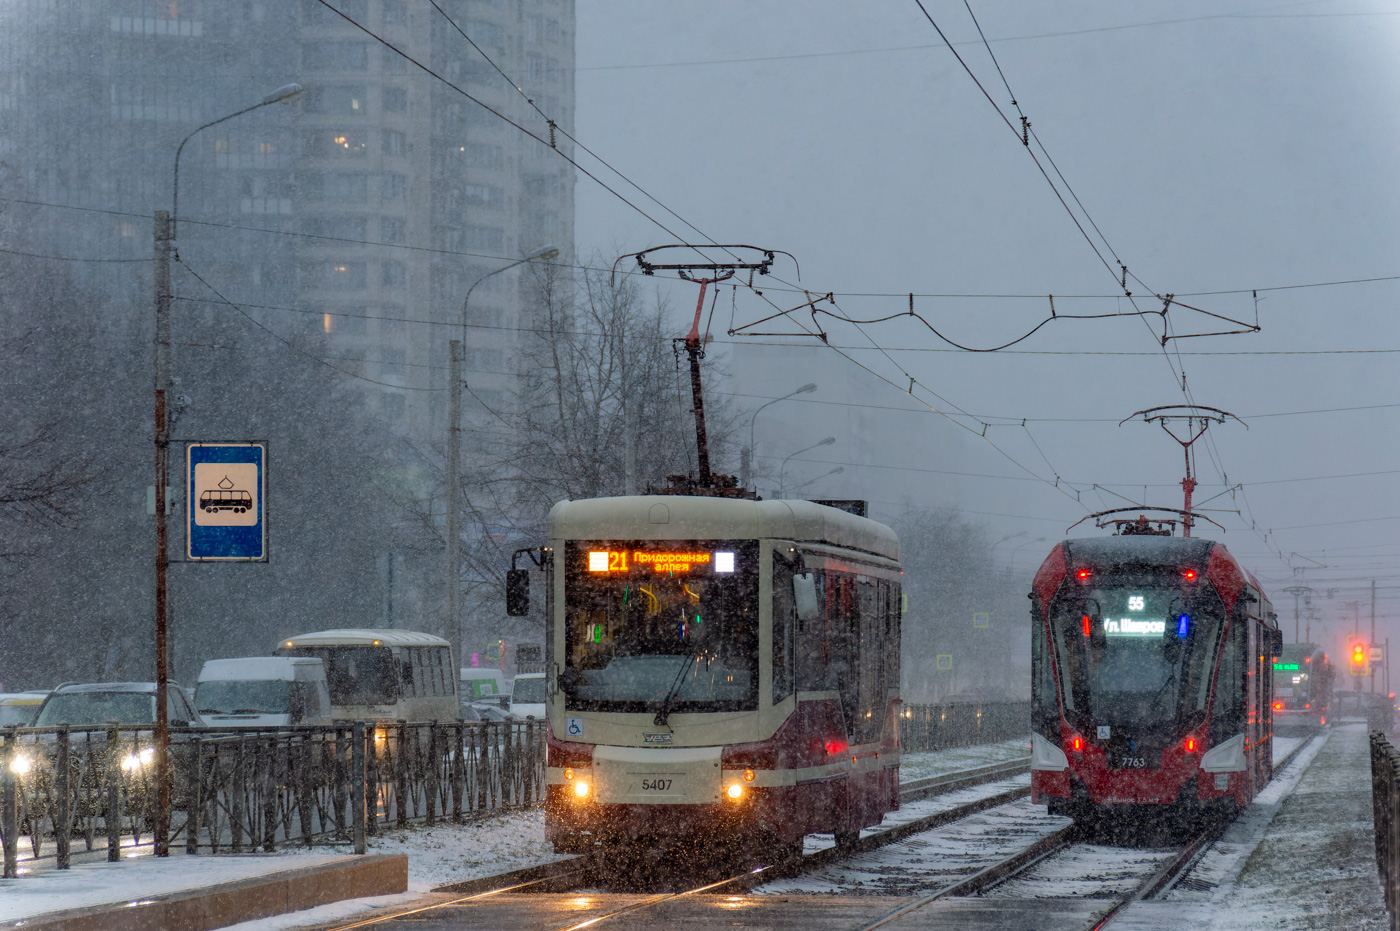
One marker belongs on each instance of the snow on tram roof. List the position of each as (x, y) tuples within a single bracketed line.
[(346, 636), (675, 517)]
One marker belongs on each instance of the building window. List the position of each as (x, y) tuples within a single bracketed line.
[(534, 68), (483, 237), (395, 100), (337, 100), (391, 229), (335, 143), (486, 34), (482, 155), (335, 56), (394, 142), (391, 62), (392, 365), (393, 186), (315, 14), (334, 274), (393, 12), (395, 273), (335, 226)]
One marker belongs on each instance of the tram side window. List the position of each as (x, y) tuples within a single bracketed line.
[(1046, 710), (1227, 706), (815, 671), (868, 650), (784, 617)]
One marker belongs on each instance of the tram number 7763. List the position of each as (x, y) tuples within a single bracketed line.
[(1131, 762)]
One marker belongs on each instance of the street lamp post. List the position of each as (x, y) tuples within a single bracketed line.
[(454, 452), (165, 228), (748, 459), (836, 471), (782, 469)]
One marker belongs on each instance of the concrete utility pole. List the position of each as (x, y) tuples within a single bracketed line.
[(454, 459), (1372, 642)]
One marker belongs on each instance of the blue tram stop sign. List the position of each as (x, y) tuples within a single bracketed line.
[(226, 501)]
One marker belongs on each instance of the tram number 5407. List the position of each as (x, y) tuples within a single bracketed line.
[(656, 785)]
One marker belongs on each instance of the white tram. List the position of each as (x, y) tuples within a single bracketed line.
[(720, 666)]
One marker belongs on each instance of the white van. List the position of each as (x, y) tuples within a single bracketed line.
[(263, 691), (527, 695)]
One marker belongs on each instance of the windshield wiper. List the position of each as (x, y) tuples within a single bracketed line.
[(673, 692), (211, 711)]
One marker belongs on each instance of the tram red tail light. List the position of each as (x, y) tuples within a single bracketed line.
[(1189, 575), (1082, 575), (1086, 625), (1307, 707), (1190, 745), (1278, 706), (1077, 744)]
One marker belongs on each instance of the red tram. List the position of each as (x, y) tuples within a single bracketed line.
[(1152, 678)]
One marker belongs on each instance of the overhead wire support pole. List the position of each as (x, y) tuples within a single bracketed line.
[(1198, 419), (706, 482)]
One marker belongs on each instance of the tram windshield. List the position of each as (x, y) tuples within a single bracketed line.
[(653, 624), (1138, 649)]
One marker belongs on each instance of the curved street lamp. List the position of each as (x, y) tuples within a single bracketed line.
[(805, 389), (164, 236), (836, 471), (782, 469), (454, 451)]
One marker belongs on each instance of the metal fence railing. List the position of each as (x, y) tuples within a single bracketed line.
[(236, 791), (962, 724), (1385, 803)]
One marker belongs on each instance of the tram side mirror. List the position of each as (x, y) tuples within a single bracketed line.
[(804, 596), (517, 592)]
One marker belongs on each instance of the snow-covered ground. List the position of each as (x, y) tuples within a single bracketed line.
[(451, 853)]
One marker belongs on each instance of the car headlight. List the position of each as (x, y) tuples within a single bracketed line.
[(21, 763), (138, 760)]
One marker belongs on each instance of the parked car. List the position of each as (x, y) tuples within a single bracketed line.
[(20, 708), (99, 703), (263, 691)]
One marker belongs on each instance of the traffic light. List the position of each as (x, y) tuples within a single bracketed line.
[(1359, 664)]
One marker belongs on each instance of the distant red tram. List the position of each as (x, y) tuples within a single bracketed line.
[(1152, 678)]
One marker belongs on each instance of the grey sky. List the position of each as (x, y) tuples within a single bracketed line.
[(1218, 147)]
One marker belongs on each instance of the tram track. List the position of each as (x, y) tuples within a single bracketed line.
[(1163, 869), (1138, 874), (583, 872)]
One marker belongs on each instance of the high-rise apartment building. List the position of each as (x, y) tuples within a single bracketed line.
[(353, 222)]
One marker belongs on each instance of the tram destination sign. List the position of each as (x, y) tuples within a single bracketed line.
[(226, 503)]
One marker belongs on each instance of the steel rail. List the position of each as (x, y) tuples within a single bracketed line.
[(570, 875), (1154, 885)]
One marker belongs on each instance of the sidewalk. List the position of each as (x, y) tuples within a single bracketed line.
[(190, 893), (1303, 857)]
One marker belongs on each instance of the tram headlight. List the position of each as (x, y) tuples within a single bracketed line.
[(581, 789), (136, 761), (735, 791)]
